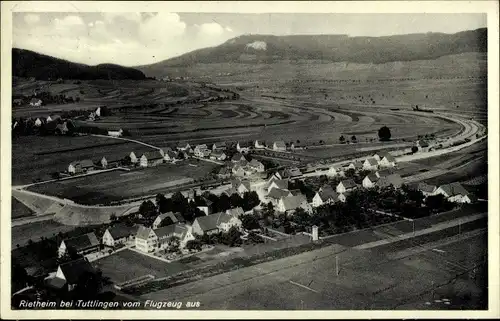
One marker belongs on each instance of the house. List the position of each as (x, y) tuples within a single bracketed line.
[(38, 122), (69, 274), (259, 145), (224, 172), (256, 165), (215, 223), (151, 158), (289, 204), (80, 166), (133, 158), (115, 133), (241, 186), (277, 183), (230, 191), (36, 102), (294, 172), (145, 239), (82, 244), (325, 196), (110, 161), (422, 144), (297, 146), (182, 231), (238, 170), (238, 158), (61, 128), (335, 171), (370, 180), (175, 217), (275, 175), (236, 212), (279, 146), (170, 155), (345, 186), (387, 161), (454, 192), (355, 165), (243, 147), (275, 194), (342, 197), (394, 180), (219, 146), (370, 164), (17, 102), (218, 155), (185, 148), (98, 112), (425, 188), (119, 234)]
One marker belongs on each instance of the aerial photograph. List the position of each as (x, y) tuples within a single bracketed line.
[(249, 161)]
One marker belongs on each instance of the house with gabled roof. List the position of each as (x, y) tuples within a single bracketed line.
[(151, 158), (145, 239), (169, 155), (425, 188), (326, 195), (69, 274), (83, 244), (393, 180), (297, 146), (224, 172), (275, 194), (80, 166), (243, 147), (289, 204), (185, 148), (174, 217), (36, 102), (259, 144), (238, 158), (294, 172), (256, 166), (346, 186), (180, 230), (335, 171), (455, 192), (215, 223), (115, 133), (237, 211), (119, 234), (218, 155), (370, 164), (277, 183), (387, 161), (241, 187), (219, 146), (356, 165), (370, 180), (279, 146), (110, 161)]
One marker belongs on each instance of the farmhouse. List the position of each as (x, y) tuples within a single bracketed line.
[(68, 274), (455, 192), (219, 146), (393, 180), (324, 196), (243, 147), (259, 144), (182, 231), (80, 166), (115, 133), (36, 102), (145, 239), (279, 146), (256, 166), (370, 180), (218, 155), (278, 183), (38, 122), (236, 212), (119, 234), (215, 223), (238, 158), (175, 217), (152, 158), (387, 161), (275, 194), (370, 164), (345, 186), (110, 161), (82, 244), (241, 186), (289, 204)]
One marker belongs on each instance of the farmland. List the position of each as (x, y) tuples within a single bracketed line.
[(118, 185), (127, 265), (34, 231)]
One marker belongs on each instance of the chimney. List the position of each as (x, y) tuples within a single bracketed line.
[(315, 233)]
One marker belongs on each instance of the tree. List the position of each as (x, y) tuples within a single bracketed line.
[(342, 139), (250, 200), (89, 285), (249, 222), (301, 218), (113, 217), (173, 244), (414, 149), (354, 139), (166, 222), (254, 238), (236, 200), (193, 245), (147, 209), (233, 237), (163, 204), (384, 133), (438, 203)]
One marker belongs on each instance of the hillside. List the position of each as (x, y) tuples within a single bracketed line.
[(252, 49), (26, 63)]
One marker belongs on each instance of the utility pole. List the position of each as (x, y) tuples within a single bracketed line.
[(337, 265)]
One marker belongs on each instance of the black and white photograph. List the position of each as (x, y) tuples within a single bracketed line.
[(198, 160)]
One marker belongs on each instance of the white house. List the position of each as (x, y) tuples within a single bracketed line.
[(237, 158), (455, 192), (218, 155), (133, 158), (370, 180), (237, 211), (145, 239), (279, 146), (243, 147), (387, 161), (38, 122), (119, 234), (259, 145), (180, 230), (370, 164), (241, 186), (335, 171), (256, 165), (219, 146), (393, 180), (149, 159), (289, 204), (345, 186), (277, 183), (98, 112), (115, 133), (214, 223), (36, 102), (325, 196)]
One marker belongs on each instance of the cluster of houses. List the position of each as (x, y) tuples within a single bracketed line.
[(241, 167)]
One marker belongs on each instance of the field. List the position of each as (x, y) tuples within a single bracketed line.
[(127, 265), (37, 157), (118, 185), (19, 209), (34, 231)]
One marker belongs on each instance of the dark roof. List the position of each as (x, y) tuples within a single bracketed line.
[(281, 183), (293, 202), (327, 194), (75, 269), (245, 144), (238, 157), (113, 158), (119, 231), (348, 183), (454, 189), (372, 177), (211, 222), (235, 211), (393, 179), (83, 163), (82, 242), (219, 145), (372, 161), (216, 153), (143, 232), (423, 143), (426, 187), (277, 193), (151, 155), (389, 157), (169, 230), (225, 171)]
